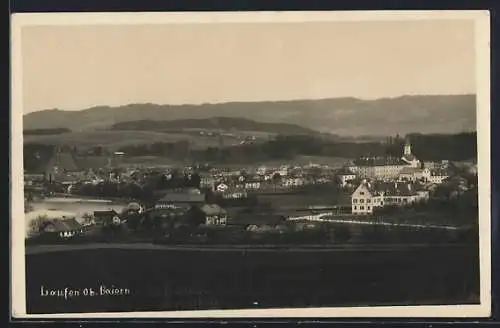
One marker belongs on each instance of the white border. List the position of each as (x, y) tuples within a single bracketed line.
[(482, 22)]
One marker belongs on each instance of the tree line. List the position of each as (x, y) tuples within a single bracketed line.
[(456, 147)]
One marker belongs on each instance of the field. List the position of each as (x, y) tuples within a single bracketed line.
[(183, 280), (116, 139)]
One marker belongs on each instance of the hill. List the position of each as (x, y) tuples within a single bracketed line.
[(341, 116), (228, 124)]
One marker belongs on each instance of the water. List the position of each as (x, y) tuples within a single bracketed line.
[(70, 207)]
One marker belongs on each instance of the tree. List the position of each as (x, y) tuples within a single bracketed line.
[(37, 224), (194, 217), (195, 180)]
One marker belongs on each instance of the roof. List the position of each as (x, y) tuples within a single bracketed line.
[(182, 198), (102, 214), (378, 161), (391, 189), (213, 209), (65, 225)]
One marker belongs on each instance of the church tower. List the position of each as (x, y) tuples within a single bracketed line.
[(407, 147)]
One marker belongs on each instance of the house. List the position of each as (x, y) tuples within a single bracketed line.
[(214, 214), (180, 198), (252, 185), (414, 174), (64, 229), (207, 181), (106, 217), (293, 182), (222, 187), (438, 176), (371, 195), (384, 167), (344, 176), (235, 194)]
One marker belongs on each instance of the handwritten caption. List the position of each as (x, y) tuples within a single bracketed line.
[(69, 292)]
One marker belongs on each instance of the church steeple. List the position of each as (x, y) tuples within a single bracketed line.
[(407, 147)]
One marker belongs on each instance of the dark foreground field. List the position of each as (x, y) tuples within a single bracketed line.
[(186, 280)]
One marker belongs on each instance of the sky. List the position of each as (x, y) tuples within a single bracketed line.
[(77, 67)]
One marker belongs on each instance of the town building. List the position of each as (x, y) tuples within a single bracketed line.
[(293, 182), (344, 176), (369, 196), (172, 199), (106, 217), (214, 214), (385, 167)]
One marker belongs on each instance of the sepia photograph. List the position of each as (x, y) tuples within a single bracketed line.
[(259, 164)]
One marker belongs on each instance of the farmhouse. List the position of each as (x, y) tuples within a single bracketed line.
[(62, 228), (214, 214)]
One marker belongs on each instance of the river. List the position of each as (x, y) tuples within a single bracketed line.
[(70, 207)]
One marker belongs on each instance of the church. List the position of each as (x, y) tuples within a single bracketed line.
[(385, 167)]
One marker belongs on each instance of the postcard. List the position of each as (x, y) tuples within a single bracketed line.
[(251, 164)]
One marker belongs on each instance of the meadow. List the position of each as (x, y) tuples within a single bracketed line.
[(113, 140), (161, 280)]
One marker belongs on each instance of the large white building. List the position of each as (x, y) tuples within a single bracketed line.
[(385, 167), (369, 196)]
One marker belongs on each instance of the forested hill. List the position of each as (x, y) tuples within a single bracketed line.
[(227, 124), (340, 116)]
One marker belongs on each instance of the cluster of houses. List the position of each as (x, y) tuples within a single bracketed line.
[(370, 182), (387, 181)]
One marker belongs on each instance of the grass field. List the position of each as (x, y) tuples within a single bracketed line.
[(116, 139), (183, 280)]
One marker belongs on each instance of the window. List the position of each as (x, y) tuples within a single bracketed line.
[(361, 192), (355, 207), (368, 200), (361, 200), (361, 207), (354, 200), (368, 207)]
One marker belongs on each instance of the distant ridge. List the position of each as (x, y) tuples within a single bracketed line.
[(227, 124), (341, 116)]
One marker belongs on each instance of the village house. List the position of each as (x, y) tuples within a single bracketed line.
[(413, 174), (344, 175), (293, 181), (252, 185), (371, 195), (207, 181), (214, 215), (438, 176), (222, 187), (105, 217), (234, 193), (171, 199), (63, 229)]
